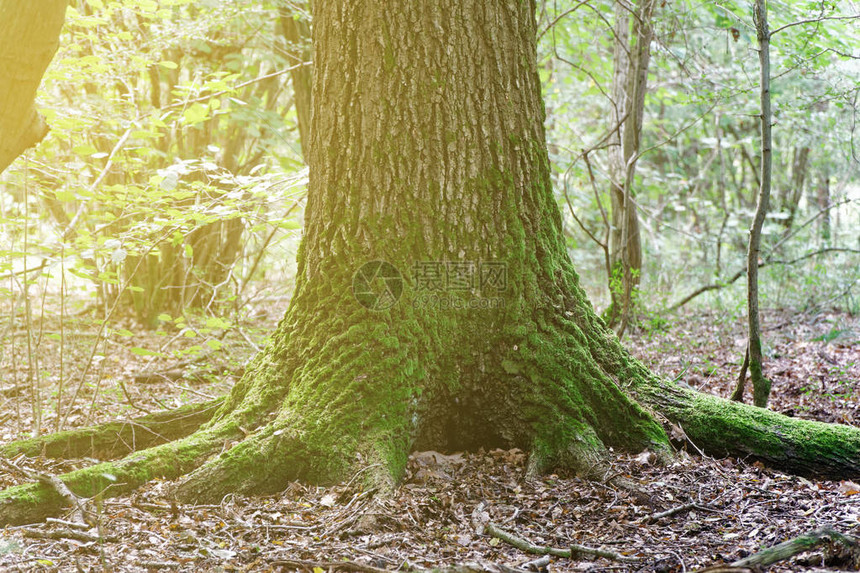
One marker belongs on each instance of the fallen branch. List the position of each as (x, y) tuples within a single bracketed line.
[(675, 510), (539, 564), (68, 534), (80, 514), (805, 542), (328, 566), (573, 551)]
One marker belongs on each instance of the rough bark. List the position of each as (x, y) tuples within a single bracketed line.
[(428, 148), (28, 41), (753, 356)]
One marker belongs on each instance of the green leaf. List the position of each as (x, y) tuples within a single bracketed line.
[(217, 322), (144, 352), (85, 149)]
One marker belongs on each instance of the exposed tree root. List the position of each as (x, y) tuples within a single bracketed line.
[(806, 542), (724, 428), (34, 502), (116, 439), (278, 452)]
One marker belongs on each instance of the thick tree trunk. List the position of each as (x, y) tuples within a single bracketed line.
[(29, 38), (428, 153), (435, 305)]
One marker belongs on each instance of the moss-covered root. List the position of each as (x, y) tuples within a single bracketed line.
[(283, 451), (32, 503), (721, 427), (116, 439)]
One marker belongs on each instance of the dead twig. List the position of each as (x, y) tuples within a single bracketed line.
[(572, 552), (68, 534), (538, 564), (675, 510), (328, 565), (80, 514)]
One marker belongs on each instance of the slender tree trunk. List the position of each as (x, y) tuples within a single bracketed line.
[(629, 83), (794, 191), (29, 39), (823, 200), (296, 29), (761, 385)]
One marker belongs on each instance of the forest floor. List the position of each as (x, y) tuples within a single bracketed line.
[(696, 512)]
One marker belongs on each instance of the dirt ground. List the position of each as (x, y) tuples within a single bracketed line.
[(694, 513)]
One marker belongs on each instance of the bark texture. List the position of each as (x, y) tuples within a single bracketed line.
[(28, 42), (428, 150)]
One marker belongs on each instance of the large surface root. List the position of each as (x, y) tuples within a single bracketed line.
[(115, 439), (721, 427), (267, 461), (34, 502)]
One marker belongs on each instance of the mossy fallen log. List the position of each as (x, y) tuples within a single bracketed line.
[(116, 439)]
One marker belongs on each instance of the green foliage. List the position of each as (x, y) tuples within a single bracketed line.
[(696, 180), (171, 180)]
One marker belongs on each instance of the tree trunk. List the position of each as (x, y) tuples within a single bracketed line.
[(29, 39), (629, 83), (435, 305), (823, 200), (753, 356), (296, 30), (794, 191)]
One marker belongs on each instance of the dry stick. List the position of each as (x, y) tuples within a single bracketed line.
[(329, 565), (792, 547), (574, 550), (536, 565), (79, 513), (675, 510), (68, 534), (66, 523)]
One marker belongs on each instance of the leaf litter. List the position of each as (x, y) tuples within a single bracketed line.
[(694, 513)]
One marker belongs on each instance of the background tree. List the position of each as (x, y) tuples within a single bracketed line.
[(753, 354), (632, 56), (29, 41)]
